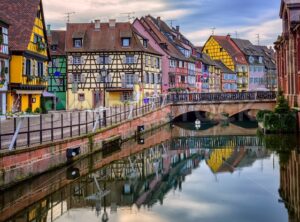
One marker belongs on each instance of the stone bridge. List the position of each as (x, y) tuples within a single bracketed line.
[(218, 104)]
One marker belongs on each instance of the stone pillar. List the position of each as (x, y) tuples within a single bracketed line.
[(3, 103)]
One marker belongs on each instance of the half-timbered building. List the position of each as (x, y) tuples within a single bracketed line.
[(224, 49), (109, 64), (4, 65), (29, 54), (57, 69)]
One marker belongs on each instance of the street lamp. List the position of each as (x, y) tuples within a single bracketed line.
[(103, 76)]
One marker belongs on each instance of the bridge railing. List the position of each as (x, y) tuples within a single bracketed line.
[(222, 97)]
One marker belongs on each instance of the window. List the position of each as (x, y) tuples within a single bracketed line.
[(182, 79), (104, 60), (153, 79), (81, 97), (180, 64), (158, 78), (37, 39), (129, 59), (172, 63), (145, 43), (54, 62), (76, 60), (53, 47), (38, 14), (40, 69), (129, 79), (77, 43), (28, 67), (147, 78), (127, 96), (125, 42), (157, 63), (77, 78)]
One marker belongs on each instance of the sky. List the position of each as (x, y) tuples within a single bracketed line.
[(196, 18)]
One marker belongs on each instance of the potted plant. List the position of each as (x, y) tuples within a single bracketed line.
[(41, 46)]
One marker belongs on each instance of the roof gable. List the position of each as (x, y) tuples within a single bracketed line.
[(22, 22)]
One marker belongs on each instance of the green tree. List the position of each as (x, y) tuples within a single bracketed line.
[(282, 105)]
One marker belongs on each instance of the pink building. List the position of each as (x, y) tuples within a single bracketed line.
[(176, 67)]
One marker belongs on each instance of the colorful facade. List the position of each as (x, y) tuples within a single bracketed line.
[(109, 64), (57, 71), (228, 78), (29, 54), (288, 51), (4, 65), (255, 58), (223, 48)]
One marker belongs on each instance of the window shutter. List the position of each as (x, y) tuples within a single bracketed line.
[(70, 78), (136, 57), (32, 67), (82, 78), (24, 66), (124, 60), (145, 78), (45, 73), (70, 60)]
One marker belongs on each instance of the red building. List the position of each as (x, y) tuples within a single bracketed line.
[(288, 51)]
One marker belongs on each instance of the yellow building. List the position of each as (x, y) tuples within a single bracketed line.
[(29, 54), (109, 64), (223, 48)]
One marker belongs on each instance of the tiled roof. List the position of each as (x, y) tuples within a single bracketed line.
[(57, 38), (105, 39), (207, 60), (223, 68), (269, 57), (154, 28), (20, 14), (231, 48), (247, 47)]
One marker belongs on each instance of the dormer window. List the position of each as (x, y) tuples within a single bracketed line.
[(125, 42), (77, 43), (145, 43), (53, 48)]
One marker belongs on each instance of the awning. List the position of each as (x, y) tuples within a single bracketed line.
[(29, 92), (48, 95)]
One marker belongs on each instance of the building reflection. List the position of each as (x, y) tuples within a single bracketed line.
[(144, 178), (290, 184)]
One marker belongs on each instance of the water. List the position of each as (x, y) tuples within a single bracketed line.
[(214, 174)]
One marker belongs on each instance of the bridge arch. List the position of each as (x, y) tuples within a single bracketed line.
[(217, 109)]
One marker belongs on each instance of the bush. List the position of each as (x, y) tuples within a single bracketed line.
[(28, 110), (38, 110), (261, 114), (272, 122), (282, 105)]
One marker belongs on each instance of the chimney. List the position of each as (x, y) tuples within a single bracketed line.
[(49, 29), (112, 23), (97, 24), (158, 21), (228, 36), (177, 28)]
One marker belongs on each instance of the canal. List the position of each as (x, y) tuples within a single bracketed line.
[(218, 172)]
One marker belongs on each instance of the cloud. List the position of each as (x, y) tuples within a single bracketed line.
[(88, 10), (196, 17), (267, 31)]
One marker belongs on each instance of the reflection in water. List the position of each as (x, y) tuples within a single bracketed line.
[(189, 177)]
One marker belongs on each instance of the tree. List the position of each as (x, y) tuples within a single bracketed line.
[(282, 105)]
